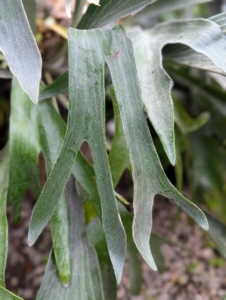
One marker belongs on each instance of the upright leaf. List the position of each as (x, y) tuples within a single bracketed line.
[(88, 52), (85, 277), (15, 36), (4, 181), (202, 36), (51, 130), (88, 116)]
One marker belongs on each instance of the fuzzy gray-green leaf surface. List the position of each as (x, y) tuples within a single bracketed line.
[(85, 277), (203, 36), (15, 36), (88, 51)]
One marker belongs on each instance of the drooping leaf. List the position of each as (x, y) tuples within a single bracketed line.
[(24, 148), (86, 85), (15, 34), (203, 36), (187, 56), (4, 181), (97, 237), (6, 295), (85, 273), (110, 11)]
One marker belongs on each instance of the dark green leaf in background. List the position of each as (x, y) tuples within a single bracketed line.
[(30, 9), (24, 148)]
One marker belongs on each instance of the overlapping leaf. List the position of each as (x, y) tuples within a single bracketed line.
[(51, 131), (15, 34), (88, 51), (202, 36), (187, 56), (25, 143), (85, 278), (89, 118)]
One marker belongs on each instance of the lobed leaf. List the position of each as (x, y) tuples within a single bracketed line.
[(88, 50), (203, 36), (187, 56), (148, 175), (85, 273), (15, 34)]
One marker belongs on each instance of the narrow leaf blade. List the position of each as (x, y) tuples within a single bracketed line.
[(15, 34)]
